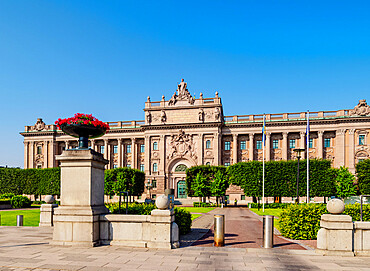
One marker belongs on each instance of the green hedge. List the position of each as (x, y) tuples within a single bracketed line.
[(183, 220), (19, 201), (124, 179), (280, 178), (363, 176), (302, 221), (271, 205), (203, 204)]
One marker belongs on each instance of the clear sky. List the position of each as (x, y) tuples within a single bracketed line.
[(105, 57)]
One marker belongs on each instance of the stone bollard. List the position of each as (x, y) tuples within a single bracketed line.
[(46, 214), (336, 234)]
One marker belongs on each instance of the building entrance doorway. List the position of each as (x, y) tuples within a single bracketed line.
[(181, 189)]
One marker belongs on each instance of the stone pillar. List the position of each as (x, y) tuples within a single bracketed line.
[(92, 144), (285, 146), (147, 155), (340, 144), (66, 144), (268, 146), (235, 149), (351, 151), (162, 153), (106, 149), (133, 153), (119, 152), (53, 150), (31, 163), (76, 221), (320, 144), (46, 214), (161, 222), (26, 154), (46, 154), (302, 144), (218, 149), (200, 149), (251, 146)]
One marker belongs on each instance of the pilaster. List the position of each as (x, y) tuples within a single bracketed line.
[(46, 154), (32, 155), (268, 146), (26, 151), (320, 144), (147, 155), (200, 149), (251, 146), (351, 150), (302, 144), (235, 149), (340, 148), (133, 153), (218, 149), (119, 152), (162, 151), (285, 146)]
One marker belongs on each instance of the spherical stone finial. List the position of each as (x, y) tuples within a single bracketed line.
[(162, 202), (49, 199), (335, 206)]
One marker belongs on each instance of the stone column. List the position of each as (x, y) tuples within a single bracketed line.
[(53, 150), (251, 146), (106, 149), (76, 221), (46, 154), (235, 149), (26, 154), (119, 152), (302, 144), (200, 149), (268, 146), (147, 155), (320, 144), (92, 144), (66, 144), (31, 164), (285, 146), (351, 151), (133, 153), (218, 149), (340, 148)]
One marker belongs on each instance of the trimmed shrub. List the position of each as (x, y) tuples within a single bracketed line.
[(133, 208), (271, 205), (7, 196), (183, 220), (20, 202), (203, 204), (124, 179), (302, 221), (363, 176)]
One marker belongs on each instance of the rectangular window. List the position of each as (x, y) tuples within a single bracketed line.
[(208, 144), (154, 183), (102, 149), (142, 167), (327, 142), (361, 140), (243, 145), (292, 143), (39, 149), (275, 144), (155, 146), (227, 145), (115, 149), (142, 148), (242, 197), (155, 167), (259, 144), (128, 165), (128, 148), (227, 164), (310, 143)]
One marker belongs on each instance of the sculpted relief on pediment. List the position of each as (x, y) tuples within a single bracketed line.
[(180, 145), (362, 109)]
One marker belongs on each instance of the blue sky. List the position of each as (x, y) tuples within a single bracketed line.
[(105, 57)]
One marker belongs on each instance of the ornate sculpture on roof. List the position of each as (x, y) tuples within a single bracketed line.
[(362, 109), (182, 94), (39, 126)]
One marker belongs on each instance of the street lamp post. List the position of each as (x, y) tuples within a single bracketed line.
[(148, 187), (298, 151)]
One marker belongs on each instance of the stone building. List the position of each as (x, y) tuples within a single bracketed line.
[(183, 131)]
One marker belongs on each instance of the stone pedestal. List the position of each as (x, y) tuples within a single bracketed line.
[(76, 221), (161, 222), (46, 214), (336, 235)]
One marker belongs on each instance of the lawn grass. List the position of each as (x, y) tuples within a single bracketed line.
[(30, 217), (202, 210), (274, 212), (194, 216)]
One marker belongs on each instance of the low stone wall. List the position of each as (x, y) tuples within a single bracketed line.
[(157, 230), (361, 242)]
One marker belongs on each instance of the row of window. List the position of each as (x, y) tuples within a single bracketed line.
[(275, 144)]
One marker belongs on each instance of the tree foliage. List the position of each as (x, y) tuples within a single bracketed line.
[(124, 179), (363, 176), (344, 182)]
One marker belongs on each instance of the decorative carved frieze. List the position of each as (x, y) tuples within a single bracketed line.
[(181, 144)]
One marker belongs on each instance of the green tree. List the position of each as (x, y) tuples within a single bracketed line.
[(344, 183), (219, 184), (363, 176), (201, 186)]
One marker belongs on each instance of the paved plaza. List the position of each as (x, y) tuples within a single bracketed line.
[(27, 248)]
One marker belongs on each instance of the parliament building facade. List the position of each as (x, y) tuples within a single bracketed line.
[(183, 132)]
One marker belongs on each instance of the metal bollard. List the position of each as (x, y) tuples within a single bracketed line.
[(19, 220), (268, 231), (219, 234)]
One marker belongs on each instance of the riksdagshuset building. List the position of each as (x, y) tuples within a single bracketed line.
[(183, 132)]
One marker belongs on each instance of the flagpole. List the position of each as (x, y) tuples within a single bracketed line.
[(308, 157), (263, 165)]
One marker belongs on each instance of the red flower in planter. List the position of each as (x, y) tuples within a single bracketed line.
[(82, 119)]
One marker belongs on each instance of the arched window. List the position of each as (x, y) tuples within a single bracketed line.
[(208, 144), (181, 168)]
